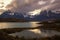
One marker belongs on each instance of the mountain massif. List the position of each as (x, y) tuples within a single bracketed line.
[(17, 17)]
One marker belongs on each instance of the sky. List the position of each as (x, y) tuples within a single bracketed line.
[(29, 6)]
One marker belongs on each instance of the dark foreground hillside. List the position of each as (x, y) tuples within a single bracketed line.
[(5, 36)]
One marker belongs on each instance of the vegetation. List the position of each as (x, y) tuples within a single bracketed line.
[(50, 25), (11, 20), (13, 30), (5, 36)]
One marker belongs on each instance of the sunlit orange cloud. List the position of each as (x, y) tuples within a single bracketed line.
[(21, 5), (42, 2), (27, 5), (35, 12), (4, 3)]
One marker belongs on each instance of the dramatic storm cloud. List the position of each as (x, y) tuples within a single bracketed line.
[(29, 6)]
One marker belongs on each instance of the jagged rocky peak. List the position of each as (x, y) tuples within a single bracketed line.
[(8, 12), (46, 11)]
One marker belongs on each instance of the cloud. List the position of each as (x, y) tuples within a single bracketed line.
[(25, 6), (42, 2)]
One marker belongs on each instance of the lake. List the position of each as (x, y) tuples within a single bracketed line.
[(29, 33), (18, 24)]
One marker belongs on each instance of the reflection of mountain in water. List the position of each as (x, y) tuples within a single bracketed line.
[(35, 33)]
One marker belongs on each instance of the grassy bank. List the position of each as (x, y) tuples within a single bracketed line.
[(50, 25)]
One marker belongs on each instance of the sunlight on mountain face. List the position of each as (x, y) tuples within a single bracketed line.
[(4, 3), (35, 12)]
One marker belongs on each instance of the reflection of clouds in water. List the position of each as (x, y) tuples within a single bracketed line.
[(28, 33), (18, 25), (34, 24), (50, 33), (3, 25), (36, 33)]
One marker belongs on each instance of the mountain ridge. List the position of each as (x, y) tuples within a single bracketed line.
[(44, 15)]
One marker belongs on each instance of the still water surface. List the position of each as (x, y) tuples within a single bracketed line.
[(18, 24)]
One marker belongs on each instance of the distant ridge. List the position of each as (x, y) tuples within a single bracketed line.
[(44, 15)]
